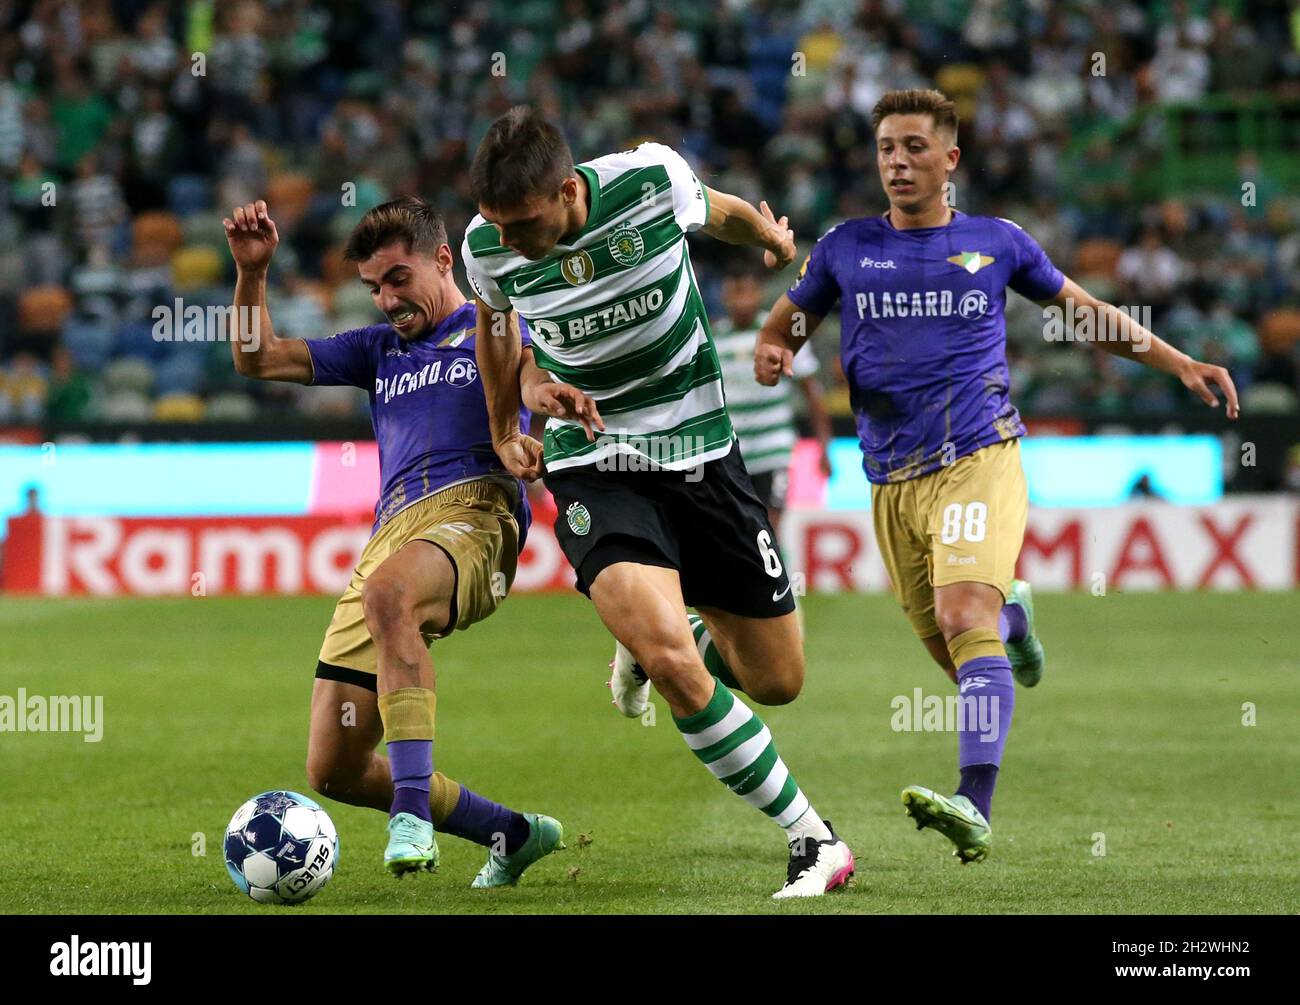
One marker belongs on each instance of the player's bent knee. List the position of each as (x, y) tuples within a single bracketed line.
[(778, 690), (676, 672), (330, 776)]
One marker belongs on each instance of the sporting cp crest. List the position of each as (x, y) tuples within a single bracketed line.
[(576, 268), (579, 519), (625, 244)]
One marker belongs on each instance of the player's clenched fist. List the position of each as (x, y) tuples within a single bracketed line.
[(252, 236), (522, 457), (771, 362)]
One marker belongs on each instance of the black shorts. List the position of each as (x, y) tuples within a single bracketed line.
[(771, 487), (707, 523)]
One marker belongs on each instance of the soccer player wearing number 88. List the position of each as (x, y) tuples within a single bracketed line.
[(923, 345)]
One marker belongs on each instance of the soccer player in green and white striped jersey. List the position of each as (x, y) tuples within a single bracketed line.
[(762, 416), (656, 512)]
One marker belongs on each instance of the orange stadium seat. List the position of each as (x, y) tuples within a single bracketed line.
[(1279, 329), (43, 309), (1097, 256), (157, 227)]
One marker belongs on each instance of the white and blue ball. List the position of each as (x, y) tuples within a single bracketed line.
[(281, 848)]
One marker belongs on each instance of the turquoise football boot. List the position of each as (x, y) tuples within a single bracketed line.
[(1026, 656), (546, 834), (956, 818), (411, 845)]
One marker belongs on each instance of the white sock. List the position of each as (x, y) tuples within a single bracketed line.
[(810, 825)]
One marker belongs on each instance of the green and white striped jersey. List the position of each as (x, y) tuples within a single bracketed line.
[(763, 416), (618, 314)]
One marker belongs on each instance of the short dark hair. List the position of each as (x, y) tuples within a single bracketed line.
[(409, 219), (917, 101), (521, 156)]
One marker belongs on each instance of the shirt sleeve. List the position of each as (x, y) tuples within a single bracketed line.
[(815, 289), (347, 358), (483, 285), (690, 203), (1034, 276), (525, 336)]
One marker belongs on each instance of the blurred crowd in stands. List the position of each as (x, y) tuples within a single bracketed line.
[(129, 128)]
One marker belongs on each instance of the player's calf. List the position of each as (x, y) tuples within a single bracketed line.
[(763, 657)]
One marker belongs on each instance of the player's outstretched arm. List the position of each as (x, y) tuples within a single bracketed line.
[(498, 350), (733, 220), (1136, 342), (783, 334), (252, 237)]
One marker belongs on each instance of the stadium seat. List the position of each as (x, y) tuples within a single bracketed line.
[(290, 193), (135, 338), (128, 375), (962, 83), (189, 194), (195, 267), (231, 406), (205, 229), (89, 339), (43, 309), (1279, 330), (158, 227), (178, 407), (124, 406), (1097, 257), (1269, 399), (182, 370)]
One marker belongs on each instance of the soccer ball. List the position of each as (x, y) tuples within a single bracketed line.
[(281, 848)]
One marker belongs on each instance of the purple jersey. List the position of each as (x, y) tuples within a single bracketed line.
[(426, 405), (923, 332)]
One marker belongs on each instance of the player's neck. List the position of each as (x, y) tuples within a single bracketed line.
[(937, 215), (580, 211)]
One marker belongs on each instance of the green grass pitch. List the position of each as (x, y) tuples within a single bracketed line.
[(1136, 733)]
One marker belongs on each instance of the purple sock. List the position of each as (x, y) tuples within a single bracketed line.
[(481, 820), (1013, 624), (411, 763), (977, 782), (987, 699)]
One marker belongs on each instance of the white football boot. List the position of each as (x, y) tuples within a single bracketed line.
[(816, 867), (628, 684)]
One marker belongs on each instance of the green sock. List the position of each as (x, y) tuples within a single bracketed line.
[(737, 748), (713, 661)]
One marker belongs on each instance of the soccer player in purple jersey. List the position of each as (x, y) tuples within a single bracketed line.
[(449, 525), (922, 290)]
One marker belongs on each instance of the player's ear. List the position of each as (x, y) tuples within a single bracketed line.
[(444, 258), (569, 190)]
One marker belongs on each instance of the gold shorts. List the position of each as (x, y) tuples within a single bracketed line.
[(474, 524), (961, 524)]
